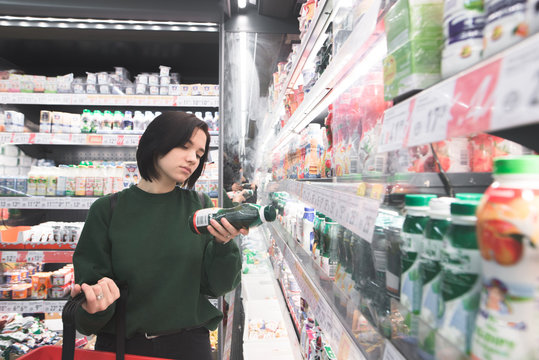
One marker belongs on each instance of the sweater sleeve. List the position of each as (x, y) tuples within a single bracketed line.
[(221, 268), (92, 261)]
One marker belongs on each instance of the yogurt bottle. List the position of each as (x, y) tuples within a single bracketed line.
[(461, 279), (417, 207), (507, 326), (430, 267)]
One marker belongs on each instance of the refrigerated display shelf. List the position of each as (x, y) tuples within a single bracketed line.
[(37, 256), (32, 306), (297, 325), (365, 45), (318, 26), (127, 140), (338, 201), (340, 338), (110, 100), (49, 203), (480, 99)]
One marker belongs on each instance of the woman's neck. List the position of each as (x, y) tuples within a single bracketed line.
[(156, 186)]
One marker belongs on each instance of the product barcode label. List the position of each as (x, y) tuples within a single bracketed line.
[(203, 217)]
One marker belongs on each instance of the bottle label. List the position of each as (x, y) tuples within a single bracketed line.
[(70, 186), (98, 187), (202, 217), (80, 186), (411, 280), (61, 186)]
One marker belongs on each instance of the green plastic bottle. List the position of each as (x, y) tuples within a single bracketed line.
[(242, 216), (430, 267), (461, 277), (417, 207)]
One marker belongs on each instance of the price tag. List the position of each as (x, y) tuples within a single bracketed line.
[(5, 138), (131, 140), (3, 203), (214, 141), (76, 203), (517, 94), (9, 256), (62, 138), (431, 115), (94, 139), (35, 306), (391, 352), (21, 138), (32, 203), (16, 203), (79, 139), (51, 203), (4, 306), (110, 140), (394, 127), (35, 256), (55, 306), (43, 138), (11, 306)]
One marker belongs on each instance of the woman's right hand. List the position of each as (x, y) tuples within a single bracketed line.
[(98, 296)]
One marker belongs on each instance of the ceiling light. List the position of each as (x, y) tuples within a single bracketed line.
[(242, 4)]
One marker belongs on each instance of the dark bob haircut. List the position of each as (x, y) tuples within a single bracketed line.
[(166, 132)]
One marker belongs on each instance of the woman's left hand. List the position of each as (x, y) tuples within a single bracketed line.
[(224, 232)]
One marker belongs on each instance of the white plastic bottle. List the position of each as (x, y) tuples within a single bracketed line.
[(52, 179), (99, 181), (71, 180), (61, 182), (198, 114), (208, 119), (128, 121), (90, 181), (148, 118), (32, 181), (80, 181), (118, 184), (138, 122), (41, 181), (117, 121), (108, 180), (215, 126), (97, 121)]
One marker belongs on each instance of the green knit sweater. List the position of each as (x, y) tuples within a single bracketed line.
[(146, 242)]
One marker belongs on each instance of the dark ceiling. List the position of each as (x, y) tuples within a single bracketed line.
[(194, 55)]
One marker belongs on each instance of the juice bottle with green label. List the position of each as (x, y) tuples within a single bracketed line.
[(430, 267), (413, 227), (461, 278)]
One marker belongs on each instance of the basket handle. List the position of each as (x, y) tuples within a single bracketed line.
[(69, 326)]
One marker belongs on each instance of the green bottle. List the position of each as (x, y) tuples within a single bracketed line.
[(469, 196), (242, 216), (414, 224), (430, 267), (461, 277)]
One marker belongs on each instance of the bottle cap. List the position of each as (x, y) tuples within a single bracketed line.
[(417, 200), (269, 213), (527, 164), (464, 208), (469, 196), (440, 206)]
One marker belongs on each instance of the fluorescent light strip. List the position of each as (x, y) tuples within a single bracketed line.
[(71, 23)]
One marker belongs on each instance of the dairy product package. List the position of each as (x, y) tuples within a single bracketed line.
[(464, 22), (507, 24), (415, 65), (413, 19)]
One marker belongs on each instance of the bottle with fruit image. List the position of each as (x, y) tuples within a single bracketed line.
[(507, 326), (413, 227), (460, 281)]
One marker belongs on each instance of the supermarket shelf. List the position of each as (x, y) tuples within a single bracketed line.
[(51, 203), (32, 306), (37, 256), (339, 202), (498, 93), (364, 46), (316, 30), (297, 325), (127, 140), (110, 100), (340, 339)]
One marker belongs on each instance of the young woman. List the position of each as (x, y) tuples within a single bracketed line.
[(145, 242)]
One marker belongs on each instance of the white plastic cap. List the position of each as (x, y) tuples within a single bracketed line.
[(441, 207)]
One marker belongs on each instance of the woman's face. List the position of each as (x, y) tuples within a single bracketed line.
[(179, 163)]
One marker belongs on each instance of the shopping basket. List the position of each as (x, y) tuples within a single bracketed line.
[(68, 352)]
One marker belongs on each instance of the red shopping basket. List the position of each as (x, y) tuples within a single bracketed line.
[(68, 352)]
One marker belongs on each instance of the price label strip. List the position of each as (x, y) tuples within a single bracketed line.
[(356, 213), (9, 256), (394, 127), (35, 256), (517, 93), (431, 115), (55, 306), (391, 352)]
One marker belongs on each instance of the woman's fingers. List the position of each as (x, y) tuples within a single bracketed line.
[(100, 296), (223, 231), (75, 290)]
